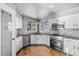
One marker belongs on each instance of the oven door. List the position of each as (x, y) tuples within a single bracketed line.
[(59, 45)]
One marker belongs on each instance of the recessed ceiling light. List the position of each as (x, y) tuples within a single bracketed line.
[(51, 6)]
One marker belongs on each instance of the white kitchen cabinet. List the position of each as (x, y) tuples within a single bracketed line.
[(18, 21), (70, 21), (33, 27), (67, 21), (71, 46), (75, 19), (19, 41), (68, 47), (60, 20), (76, 47), (40, 39)]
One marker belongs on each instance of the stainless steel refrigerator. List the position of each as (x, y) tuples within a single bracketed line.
[(6, 34)]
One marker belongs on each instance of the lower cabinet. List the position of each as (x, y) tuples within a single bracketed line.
[(26, 40), (76, 47), (40, 39), (19, 41), (71, 46)]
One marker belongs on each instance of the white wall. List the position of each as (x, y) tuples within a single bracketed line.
[(13, 13), (64, 13)]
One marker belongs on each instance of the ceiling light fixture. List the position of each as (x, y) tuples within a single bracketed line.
[(51, 6)]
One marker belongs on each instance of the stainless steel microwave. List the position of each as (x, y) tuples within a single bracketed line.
[(56, 26)]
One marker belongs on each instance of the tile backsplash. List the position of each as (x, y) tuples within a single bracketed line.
[(70, 32)]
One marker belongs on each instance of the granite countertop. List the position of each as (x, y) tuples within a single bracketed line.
[(66, 36), (63, 35)]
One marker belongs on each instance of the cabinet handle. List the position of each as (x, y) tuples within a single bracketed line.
[(74, 47), (76, 24), (77, 48), (73, 24)]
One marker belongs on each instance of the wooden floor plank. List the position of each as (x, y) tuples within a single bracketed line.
[(39, 51)]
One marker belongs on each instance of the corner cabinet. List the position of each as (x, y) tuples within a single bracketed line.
[(71, 46)]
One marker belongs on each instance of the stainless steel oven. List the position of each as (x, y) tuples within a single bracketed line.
[(56, 42)]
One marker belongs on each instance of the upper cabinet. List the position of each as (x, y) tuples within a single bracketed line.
[(70, 21), (34, 27), (31, 26), (18, 21)]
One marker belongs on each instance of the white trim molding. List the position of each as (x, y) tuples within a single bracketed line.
[(0, 32)]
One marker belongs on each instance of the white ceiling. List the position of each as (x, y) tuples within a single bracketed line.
[(43, 9)]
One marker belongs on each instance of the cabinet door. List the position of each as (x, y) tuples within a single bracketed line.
[(61, 19), (17, 22), (72, 21), (72, 47), (34, 27), (45, 39), (16, 46), (76, 20), (20, 23), (34, 39), (68, 46), (68, 22), (76, 42), (21, 42), (26, 40)]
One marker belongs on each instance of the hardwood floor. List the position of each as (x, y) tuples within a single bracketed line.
[(39, 51)]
